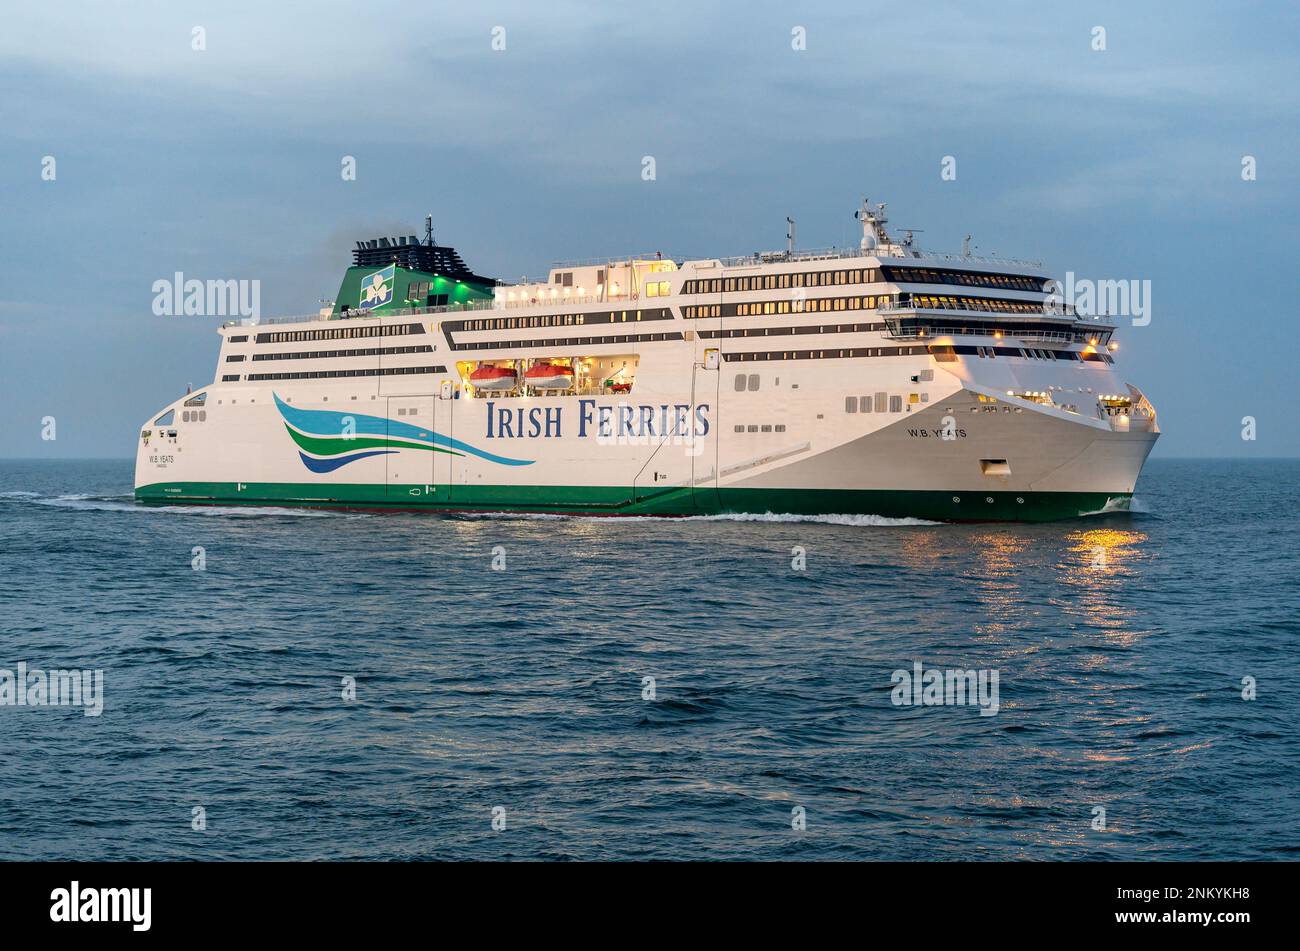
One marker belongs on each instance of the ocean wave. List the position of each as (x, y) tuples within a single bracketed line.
[(1131, 506), (102, 503)]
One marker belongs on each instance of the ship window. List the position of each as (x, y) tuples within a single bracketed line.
[(881, 399), (198, 399), (895, 404), (166, 419), (850, 404), (780, 427), (753, 382), (740, 382), (865, 402), (753, 429)]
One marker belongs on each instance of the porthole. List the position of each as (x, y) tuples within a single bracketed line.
[(956, 498), (989, 499), (1019, 500)]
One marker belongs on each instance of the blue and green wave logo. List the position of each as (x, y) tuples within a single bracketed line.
[(323, 447)]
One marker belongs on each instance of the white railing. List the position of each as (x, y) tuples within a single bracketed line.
[(468, 307), (614, 259), (1011, 333), (884, 252), (558, 300)]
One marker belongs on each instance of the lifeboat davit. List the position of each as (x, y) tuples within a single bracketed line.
[(494, 379), (549, 376)]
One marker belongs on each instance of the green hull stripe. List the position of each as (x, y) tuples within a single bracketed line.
[(336, 445), (962, 505)]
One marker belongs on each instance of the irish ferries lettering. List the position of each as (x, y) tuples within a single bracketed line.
[(617, 420)]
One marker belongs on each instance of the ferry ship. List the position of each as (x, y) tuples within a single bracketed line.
[(882, 379)]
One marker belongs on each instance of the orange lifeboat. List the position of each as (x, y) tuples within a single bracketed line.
[(494, 379), (549, 376)]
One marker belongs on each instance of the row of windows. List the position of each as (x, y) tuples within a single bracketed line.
[(865, 302), (921, 275), (419, 291), (339, 374), (879, 403), (897, 275), (340, 333), (987, 304), (754, 428), (826, 354), (784, 331), (944, 353), (925, 326), (323, 354), (558, 320), (819, 305), (770, 282), (564, 341)]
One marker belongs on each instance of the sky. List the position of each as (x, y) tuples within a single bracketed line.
[(1122, 163)]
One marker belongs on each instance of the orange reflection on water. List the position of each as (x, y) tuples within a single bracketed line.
[(1002, 562), (1096, 568)]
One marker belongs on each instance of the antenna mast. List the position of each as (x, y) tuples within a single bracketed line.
[(428, 230)]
